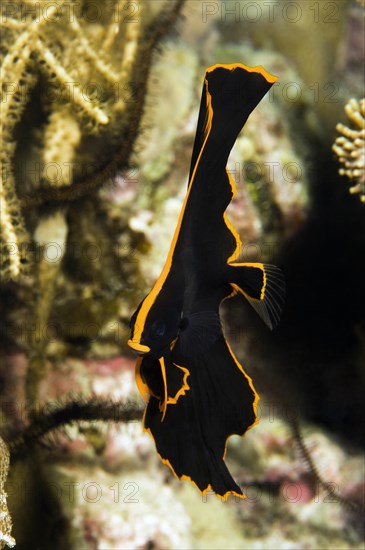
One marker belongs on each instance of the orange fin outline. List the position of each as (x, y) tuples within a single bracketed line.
[(172, 400), (271, 300)]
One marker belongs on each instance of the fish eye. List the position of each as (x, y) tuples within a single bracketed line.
[(158, 329)]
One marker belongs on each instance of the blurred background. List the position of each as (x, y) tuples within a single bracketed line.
[(99, 109)]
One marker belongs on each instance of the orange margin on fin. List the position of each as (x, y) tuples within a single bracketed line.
[(232, 66), (172, 400), (184, 477)]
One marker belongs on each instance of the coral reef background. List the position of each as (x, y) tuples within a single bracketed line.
[(98, 116)]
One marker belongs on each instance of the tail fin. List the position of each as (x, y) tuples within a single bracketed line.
[(264, 287)]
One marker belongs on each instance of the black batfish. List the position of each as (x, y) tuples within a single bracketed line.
[(197, 392)]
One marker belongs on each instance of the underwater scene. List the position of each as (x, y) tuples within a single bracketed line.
[(182, 275)]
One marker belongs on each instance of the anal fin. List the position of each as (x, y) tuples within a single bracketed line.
[(263, 285)]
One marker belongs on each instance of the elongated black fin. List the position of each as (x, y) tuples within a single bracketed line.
[(198, 332), (235, 91), (193, 435), (199, 134), (264, 287)]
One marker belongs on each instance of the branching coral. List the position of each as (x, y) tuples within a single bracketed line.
[(89, 69), (16, 76), (84, 410), (5, 520), (61, 137), (350, 146), (74, 83)]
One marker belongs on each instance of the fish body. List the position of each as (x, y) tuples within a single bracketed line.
[(196, 391)]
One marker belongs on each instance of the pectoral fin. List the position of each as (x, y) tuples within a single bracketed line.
[(264, 287), (198, 332)]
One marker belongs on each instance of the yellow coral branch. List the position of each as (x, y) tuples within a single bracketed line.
[(5, 519), (355, 112), (10, 260), (12, 227), (350, 146), (130, 48), (104, 69), (62, 136), (65, 79), (114, 26), (10, 23)]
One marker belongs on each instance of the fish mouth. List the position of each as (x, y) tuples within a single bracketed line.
[(141, 348)]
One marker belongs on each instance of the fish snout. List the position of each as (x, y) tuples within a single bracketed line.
[(137, 346)]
